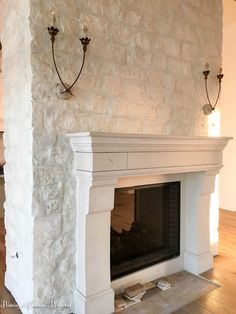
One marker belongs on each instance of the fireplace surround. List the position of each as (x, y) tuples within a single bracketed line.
[(105, 161)]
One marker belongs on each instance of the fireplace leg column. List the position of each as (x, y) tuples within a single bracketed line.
[(197, 256), (95, 200)]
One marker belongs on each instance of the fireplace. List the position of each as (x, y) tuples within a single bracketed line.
[(145, 227), (108, 163)]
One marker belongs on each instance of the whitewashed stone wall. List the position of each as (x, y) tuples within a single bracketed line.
[(143, 74), (17, 78)]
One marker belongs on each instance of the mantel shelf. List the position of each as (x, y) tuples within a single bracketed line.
[(130, 153)]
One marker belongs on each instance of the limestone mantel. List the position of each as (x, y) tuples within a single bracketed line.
[(104, 161)]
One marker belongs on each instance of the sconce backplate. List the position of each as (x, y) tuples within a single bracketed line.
[(61, 93), (207, 109)]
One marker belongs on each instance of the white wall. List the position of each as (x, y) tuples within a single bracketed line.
[(228, 109)]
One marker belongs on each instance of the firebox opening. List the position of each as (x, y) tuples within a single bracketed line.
[(145, 227)]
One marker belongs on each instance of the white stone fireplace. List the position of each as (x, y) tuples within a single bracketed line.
[(105, 161)]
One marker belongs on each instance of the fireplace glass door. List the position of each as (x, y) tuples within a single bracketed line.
[(145, 227)]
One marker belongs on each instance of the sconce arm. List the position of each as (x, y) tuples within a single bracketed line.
[(78, 76), (218, 96), (63, 89), (207, 93), (56, 68), (85, 42), (208, 108)]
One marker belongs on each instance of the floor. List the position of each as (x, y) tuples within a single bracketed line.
[(219, 301)]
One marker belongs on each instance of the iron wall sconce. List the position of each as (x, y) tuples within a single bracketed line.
[(63, 89), (208, 108)]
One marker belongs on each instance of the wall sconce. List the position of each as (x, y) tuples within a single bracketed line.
[(208, 108), (63, 89)]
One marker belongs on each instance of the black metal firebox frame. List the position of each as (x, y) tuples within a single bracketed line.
[(156, 256)]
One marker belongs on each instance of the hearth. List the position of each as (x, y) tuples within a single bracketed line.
[(145, 227)]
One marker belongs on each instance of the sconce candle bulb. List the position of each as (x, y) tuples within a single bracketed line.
[(208, 108), (206, 72), (85, 30), (64, 89), (54, 18)]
